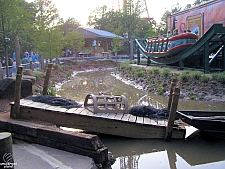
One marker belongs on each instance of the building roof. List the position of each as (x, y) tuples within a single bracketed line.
[(96, 33)]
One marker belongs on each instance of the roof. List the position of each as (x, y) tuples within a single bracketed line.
[(96, 33)]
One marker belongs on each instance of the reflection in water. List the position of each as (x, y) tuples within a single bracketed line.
[(197, 151), (101, 81)]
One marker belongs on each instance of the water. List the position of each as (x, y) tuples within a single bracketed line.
[(196, 151)]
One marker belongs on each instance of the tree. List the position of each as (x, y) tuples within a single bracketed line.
[(162, 27), (14, 18), (46, 17), (74, 41), (69, 25)]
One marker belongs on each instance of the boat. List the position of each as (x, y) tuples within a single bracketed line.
[(212, 122), (168, 47)]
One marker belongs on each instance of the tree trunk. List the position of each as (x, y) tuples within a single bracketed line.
[(17, 51)]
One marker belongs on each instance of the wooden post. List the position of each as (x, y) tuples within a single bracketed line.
[(47, 77), (1, 72), (31, 66), (172, 114), (172, 87), (6, 153), (16, 111)]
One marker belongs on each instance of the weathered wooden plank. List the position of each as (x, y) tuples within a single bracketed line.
[(25, 102), (104, 115), (118, 116), (71, 110), (125, 117), (99, 156), (84, 112), (161, 122), (132, 118), (100, 125), (147, 120), (111, 116), (90, 113), (140, 120), (154, 121), (79, 111), (49, 135)]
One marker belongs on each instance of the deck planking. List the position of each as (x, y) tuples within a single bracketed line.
[(121, 124)]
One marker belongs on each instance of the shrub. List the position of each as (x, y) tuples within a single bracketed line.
[(156, 71), (37, 75), (149, 71), (165, 72), (192, 97), (185, 76), (52, 90), (196, 75), (205, 78), (219, 77)]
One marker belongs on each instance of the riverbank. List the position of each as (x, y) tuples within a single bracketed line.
[(194, 85)]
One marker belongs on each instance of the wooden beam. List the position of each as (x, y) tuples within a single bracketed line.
[(172, 87), (172, 115), (92, 123), (16, 112), (49, 135), (47, 77)]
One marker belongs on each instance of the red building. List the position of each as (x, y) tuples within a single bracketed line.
[(199, 18)]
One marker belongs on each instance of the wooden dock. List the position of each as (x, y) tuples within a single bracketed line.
[(119, 124)]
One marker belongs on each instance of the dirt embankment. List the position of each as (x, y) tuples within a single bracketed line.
[(60, 73)]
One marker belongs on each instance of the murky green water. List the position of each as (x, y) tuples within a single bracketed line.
[(197, 151)]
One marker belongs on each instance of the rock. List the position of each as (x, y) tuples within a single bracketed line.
[(7, 88)]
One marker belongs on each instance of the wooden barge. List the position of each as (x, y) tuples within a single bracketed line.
[(119, 124)]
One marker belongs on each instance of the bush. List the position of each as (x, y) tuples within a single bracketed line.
[(149, 71), (165, 72), (219, 77), (192, 97), (185, 76), (196, 75), (205, 78), (156, 71)]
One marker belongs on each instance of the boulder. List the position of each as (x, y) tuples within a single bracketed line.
[(7, 88)]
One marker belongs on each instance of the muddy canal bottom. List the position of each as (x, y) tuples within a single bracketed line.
[(198, 150)]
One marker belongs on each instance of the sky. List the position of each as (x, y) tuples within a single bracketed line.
[(81, 9)]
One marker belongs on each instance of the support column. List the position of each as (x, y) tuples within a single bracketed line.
[(223, 57), (206, 57), (138, 56)]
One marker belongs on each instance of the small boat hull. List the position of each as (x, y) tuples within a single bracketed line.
[(212, 122)]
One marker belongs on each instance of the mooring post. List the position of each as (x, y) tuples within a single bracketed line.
[(31, 66), (172, 87), (47, 77), (172, 114), (16, 111)]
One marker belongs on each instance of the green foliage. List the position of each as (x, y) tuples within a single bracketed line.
[(165, 72), (117, 44), (192, 97), (205, 78), (160, 89), (219, 77), (37, 75), (68, 75), (185, 76), (52, 90), (149, 71), (196, 75), (156, 71)]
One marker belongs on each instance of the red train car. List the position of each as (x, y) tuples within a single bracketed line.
[(199, 18)]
